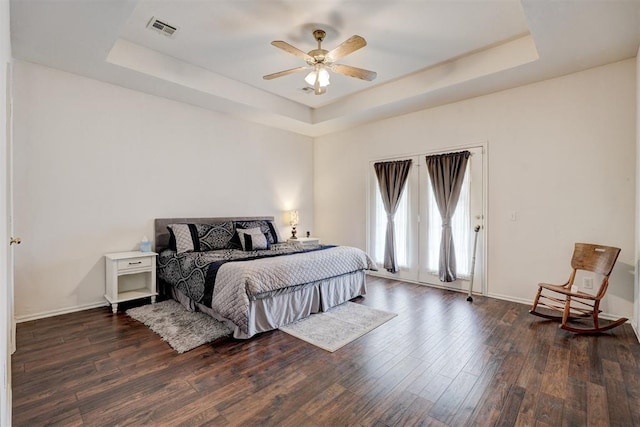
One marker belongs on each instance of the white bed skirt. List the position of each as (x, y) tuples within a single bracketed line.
[(279, 310)]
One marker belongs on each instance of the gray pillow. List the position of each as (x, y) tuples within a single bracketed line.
[(268, 228), (252, 239)]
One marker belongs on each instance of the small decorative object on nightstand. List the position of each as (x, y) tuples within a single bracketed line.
[(136, 266), (293, 221), (145, 245), (306, 241)]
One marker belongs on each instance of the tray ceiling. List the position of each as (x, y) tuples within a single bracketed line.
[(425, 52)]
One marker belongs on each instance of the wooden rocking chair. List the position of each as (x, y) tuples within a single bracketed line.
[(577, 305)]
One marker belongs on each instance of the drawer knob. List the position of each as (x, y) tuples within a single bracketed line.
[(135, 263)]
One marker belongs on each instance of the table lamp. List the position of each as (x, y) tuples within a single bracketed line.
[(293, 220)]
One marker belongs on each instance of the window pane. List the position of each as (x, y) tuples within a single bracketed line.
[(460, 228), (401, 230), (380, 229)]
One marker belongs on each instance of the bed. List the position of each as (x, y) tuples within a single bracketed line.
[(242, 272)]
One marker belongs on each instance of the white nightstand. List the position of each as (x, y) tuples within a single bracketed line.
[(305, 241), (130, 275)]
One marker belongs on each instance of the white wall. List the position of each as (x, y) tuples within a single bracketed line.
[(560, 152), (96, 163), (6, 309)]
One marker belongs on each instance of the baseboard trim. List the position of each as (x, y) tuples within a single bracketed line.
[(529, 302), (636, 331), (45, 314), (415, 282), (605, 316), (511, 299)]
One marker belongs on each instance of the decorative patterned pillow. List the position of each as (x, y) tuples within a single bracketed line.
[(183, 236), (200, 237), (267, 228), (214, 236), (252, 239)]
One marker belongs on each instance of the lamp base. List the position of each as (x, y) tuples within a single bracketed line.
[(293, 233)]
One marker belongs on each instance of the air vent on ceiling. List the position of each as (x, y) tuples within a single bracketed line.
[(162, 27)]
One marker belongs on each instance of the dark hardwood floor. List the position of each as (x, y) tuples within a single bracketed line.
[(441, 361)]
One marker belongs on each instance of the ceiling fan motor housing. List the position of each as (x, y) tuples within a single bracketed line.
[(318, 54)]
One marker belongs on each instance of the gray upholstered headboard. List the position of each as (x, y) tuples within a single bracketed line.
[(161, 234)]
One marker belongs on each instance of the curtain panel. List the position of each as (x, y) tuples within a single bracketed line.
[(392, 177), (446, 172)]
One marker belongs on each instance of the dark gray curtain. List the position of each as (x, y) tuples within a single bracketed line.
[(447, 174), (392, 177)]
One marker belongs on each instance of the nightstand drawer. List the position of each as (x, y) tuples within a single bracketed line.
[(133, 263)]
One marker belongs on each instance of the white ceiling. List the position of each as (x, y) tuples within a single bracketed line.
[(426, 53)]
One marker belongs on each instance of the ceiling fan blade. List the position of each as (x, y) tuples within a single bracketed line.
[(351, 45), (350, 71), (293, 50), (284, 73)]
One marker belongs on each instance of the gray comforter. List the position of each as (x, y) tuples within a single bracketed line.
[(235, 284), (239, 282)]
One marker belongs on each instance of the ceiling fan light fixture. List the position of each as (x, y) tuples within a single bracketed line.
[(321, 61), (321, 75)]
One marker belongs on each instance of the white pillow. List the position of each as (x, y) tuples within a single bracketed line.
[(252, 239), (183, 236)]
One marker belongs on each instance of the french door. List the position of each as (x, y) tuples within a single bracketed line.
[(418, 225)]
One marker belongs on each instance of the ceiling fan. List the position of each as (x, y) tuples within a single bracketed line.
[(319, 61)]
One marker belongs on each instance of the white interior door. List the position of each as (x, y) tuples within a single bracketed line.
[(7, 325), (9, 204), (476, 216)]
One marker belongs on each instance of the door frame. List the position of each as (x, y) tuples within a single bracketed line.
[(484, 145)]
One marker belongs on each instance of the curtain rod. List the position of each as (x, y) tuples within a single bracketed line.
[(429, 153)]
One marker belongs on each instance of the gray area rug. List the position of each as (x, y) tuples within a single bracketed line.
[(183, 330), (338, 326)]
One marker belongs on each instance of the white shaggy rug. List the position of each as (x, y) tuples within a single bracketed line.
[(338, 326), (183, 330)]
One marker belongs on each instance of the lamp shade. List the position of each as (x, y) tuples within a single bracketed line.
[(321, 75), (293, 217)]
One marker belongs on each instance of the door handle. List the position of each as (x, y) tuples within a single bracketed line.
[(15, 241)]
